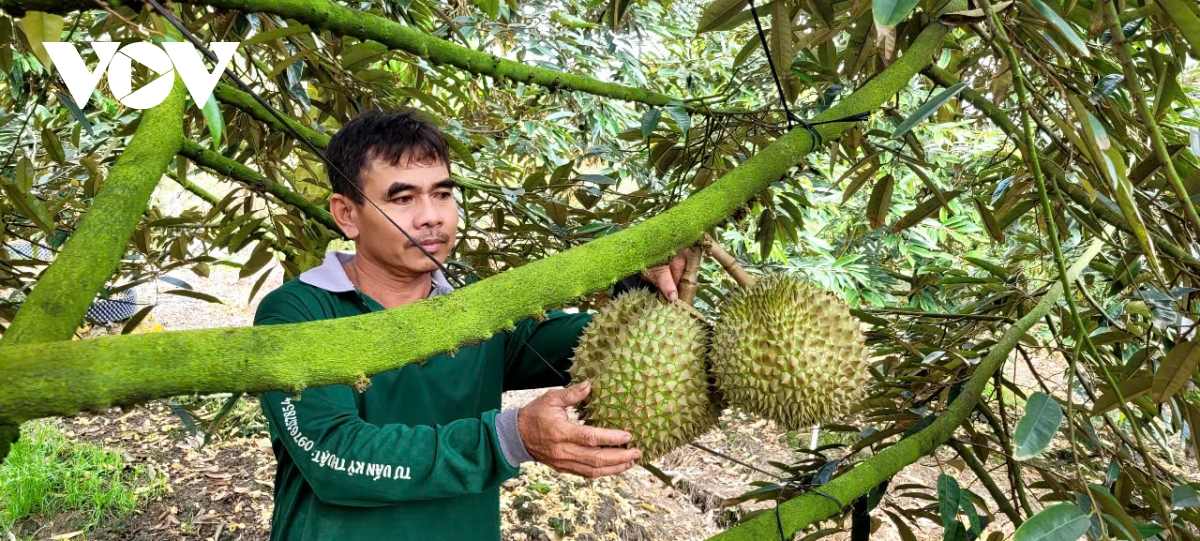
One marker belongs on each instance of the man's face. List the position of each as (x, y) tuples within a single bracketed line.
[(419, 197)]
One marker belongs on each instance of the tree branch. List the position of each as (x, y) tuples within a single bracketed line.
[(229, 168), (346, 21), (68, 287)]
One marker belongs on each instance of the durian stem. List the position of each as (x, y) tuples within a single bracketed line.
[(689, 283), (805, 510), (690, 310), (727, 261)]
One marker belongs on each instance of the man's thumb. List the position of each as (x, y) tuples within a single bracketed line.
[(577, 393)]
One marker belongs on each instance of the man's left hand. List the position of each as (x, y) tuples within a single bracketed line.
[(666, 277)]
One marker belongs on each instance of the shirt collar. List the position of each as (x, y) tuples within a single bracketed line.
[(331, 276)]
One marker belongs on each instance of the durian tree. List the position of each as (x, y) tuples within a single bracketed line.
[(982, 182)]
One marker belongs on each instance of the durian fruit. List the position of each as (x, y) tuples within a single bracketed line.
[(646, 361), (787, 351)]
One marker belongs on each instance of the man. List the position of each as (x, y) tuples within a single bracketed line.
[(421, 453)]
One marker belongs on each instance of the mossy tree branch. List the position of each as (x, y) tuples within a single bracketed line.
[(64, 378), (247, 104), (800, 512), (67, 288), (236, 171)]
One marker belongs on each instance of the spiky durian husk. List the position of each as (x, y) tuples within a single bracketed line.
[(646, 363), (787, 351)]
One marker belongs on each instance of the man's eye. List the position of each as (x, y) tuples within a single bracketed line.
[(403, 199), (443, 195)]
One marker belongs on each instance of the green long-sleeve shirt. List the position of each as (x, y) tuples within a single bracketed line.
[(417, 454)]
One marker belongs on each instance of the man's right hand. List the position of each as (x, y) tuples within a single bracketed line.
[(552, 439)]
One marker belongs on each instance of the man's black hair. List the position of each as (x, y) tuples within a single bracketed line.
[(403, 135)]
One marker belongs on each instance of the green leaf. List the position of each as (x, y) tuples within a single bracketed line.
[(650, 121), (258, 258), (781, 43), (949, 500), (891, 12), (195, 295), (136, 319), (1063, 27), (717, 13), (602, 180), (1184, 496), (75, 111), (257, 285), (927, 109), (922, 211), (461, 150), (881, 201), (989, 220), (1176, 369), (1062, 522), (275, 34), (53, 146), (1043, 415), (39, 28), (680, 115), (216, 122)]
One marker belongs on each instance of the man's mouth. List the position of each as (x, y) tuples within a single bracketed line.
[(432, 243)]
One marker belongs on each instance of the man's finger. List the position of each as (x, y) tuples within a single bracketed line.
[(590, 436), (569, 396), (660, 276), (677, 265), (599, 457), (583, 470)]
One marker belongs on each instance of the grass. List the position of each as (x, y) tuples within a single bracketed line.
[(48, 476)]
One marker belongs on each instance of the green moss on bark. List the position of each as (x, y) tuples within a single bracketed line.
[(249, 105)]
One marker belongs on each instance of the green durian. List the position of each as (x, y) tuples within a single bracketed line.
[(646, 362), (787, 351)]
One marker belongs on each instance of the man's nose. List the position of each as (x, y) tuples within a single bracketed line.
[(427, 215)]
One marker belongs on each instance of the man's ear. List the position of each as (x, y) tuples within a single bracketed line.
[(345, 213)]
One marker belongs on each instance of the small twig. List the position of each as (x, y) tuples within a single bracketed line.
[(734, 460), (727, 261), (661, 475)]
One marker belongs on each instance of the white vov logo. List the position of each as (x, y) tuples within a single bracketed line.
[(179, 56)]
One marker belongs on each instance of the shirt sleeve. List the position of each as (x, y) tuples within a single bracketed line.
[(348, 461), (536, 346), (538, 353)]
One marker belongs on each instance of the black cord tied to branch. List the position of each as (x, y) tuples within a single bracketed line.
[(788, 114)]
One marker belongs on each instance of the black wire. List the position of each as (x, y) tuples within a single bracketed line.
[(316, 151), (791, 117)]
